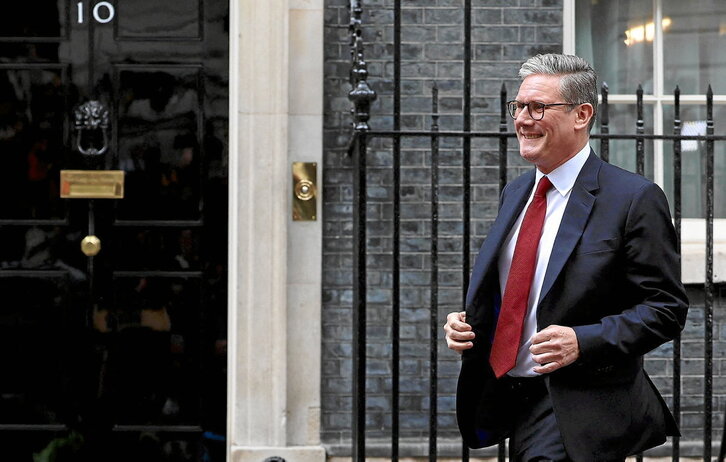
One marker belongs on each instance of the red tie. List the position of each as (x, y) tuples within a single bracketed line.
[(519, 283)]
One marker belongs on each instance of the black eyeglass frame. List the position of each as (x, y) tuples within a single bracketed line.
[(512, 107)]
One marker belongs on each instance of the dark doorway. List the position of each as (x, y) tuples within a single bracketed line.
[(119, 356)]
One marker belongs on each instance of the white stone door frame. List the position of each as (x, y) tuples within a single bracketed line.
[(276, 114)]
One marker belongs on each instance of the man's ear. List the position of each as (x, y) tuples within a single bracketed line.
[(583, 113)]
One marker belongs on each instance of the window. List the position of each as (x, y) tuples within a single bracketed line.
[(661, 44)]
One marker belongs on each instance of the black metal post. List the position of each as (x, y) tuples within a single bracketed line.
[(677, 179), (502, 183), (640, 159), (361, 96), (604, 124), (359, 303), (433, 315), (639, 129), (466, 155), (708, 286), (396, 283), (503, 139), (466, 173)]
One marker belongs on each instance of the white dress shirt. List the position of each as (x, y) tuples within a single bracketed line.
[(562, 179)]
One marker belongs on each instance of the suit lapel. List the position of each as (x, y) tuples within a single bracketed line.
[(573, 221), (512, 204)]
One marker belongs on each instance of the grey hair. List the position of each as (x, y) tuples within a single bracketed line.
[(579, 80)]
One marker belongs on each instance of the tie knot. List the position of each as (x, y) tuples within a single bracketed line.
[(543, 186)]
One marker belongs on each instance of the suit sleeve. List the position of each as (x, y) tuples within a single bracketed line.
[(652, 273)]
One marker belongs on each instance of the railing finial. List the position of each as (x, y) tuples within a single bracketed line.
[(362, 95)]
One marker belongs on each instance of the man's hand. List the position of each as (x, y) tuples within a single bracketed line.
[(459, 335), (554, 347)]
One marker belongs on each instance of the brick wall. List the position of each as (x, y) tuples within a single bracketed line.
[(504, 33)]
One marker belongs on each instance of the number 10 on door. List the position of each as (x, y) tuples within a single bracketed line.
[(102, 12)]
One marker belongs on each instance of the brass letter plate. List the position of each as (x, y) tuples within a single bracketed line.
[(304, 191), (92, 184)]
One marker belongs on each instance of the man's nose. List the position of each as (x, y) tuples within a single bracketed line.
[(523, 117)]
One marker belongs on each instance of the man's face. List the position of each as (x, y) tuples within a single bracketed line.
[(549, 142)]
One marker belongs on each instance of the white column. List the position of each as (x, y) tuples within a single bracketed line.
[(258, 158), (274, 264)]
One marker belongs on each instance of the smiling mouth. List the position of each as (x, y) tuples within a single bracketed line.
[(530, 136)]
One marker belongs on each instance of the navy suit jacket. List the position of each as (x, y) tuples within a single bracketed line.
[(614, 277)]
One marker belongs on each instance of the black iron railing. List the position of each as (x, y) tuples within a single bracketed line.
[(362, 96)]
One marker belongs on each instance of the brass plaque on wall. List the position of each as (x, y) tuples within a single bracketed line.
[(304, 191), (92, 184)]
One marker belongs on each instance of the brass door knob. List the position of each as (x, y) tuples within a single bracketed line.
[(90, 246)]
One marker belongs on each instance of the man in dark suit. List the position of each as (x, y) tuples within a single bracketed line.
[(577, 279)]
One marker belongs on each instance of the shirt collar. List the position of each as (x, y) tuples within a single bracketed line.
[(563, 177)]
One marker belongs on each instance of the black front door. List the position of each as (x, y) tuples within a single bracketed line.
[(121, 355)]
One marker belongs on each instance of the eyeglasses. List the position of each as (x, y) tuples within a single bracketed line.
[(536, 109)]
